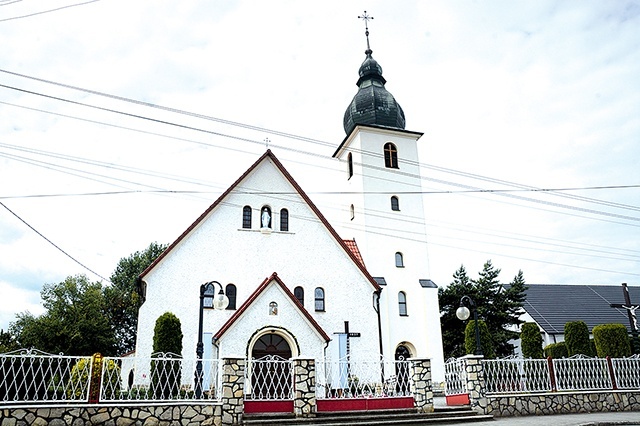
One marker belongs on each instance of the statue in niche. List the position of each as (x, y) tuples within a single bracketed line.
[(266, 217), (273, 308)]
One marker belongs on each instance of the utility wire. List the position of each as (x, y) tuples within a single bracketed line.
[(54, 244), (48, 11)]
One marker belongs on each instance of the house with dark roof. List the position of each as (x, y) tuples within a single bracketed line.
[(551, 306)]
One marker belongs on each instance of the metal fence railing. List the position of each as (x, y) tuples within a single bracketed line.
[(269, 378), (516, 375), (161, 377), (32, 376), (363, 378), (627, 372), (582, 373), (455, 377)]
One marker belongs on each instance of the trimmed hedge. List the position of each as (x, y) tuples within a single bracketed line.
[(485, 339), (611, 340), (576, 336), (531, 341), (556, 350)]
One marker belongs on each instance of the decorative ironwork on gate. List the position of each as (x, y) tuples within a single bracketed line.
[(455, 377), (363, 378), (269, 378)]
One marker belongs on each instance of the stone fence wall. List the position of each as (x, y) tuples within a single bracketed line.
[(226, 412), (539, 403), (122, 415)]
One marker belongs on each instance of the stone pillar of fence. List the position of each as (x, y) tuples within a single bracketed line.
[(475, 383), (421, 386), (232, 390), (304, 379)]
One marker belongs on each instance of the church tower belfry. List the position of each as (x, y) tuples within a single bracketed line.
[(386, 214)]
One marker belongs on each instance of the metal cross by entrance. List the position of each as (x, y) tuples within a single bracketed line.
[(631, 312)]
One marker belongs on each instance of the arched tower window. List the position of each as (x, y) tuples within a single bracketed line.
[(350, 165), (284, 220), (352, 212), (399, 260), (390, 156), (298, 292), (319, 299), (265, 217), (230, 291), (402, 304), (395, 204), (246, 217)]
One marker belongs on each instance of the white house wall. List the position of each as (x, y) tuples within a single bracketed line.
[(219, 249)]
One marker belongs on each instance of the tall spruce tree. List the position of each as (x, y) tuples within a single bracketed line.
[(498, 306)]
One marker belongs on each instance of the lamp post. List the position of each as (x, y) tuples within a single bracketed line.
[(463, 314), (208, 299)]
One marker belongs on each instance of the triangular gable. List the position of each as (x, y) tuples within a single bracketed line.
[(268, 154), (261, 288)]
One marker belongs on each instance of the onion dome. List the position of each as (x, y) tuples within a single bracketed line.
[(373, 104)]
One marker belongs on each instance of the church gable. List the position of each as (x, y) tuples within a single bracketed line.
[(263, 218), (273, 305)]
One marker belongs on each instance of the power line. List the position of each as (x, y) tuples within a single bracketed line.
[(47, 11), (54, 244)]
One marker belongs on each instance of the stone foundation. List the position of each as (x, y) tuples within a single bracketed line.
[(90, 415), (562, 403)]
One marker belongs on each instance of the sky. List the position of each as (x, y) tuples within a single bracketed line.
[(121, 122)]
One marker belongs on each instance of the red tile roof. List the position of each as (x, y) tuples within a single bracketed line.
[(353, 247)]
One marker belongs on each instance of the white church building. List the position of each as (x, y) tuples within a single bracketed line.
[(298, 286)]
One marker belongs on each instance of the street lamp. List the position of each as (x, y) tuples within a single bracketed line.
[(208, 299), (463, 314)]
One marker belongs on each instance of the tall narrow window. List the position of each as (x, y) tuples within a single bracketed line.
[(399, 260), (395, 204), (352, 212), (350, 165), (402, 304), (390, 156), (265, 217), (319, 299), (284, 220), (246, 217), (230, 291), (298, 292)]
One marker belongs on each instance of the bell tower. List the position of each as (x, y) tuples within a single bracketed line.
[(386, 214)]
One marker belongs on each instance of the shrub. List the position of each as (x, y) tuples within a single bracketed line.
[(79, 379), (485, 339), (166, 374), (611, 340), (556, 350), (576, 337), (531, 341)]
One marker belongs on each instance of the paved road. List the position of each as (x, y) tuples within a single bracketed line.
[(591, 419)]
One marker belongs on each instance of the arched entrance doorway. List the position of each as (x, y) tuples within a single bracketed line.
[(271, 370), (403, 381), (271, 344)]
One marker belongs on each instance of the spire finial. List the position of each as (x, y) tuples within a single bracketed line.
[(366, 18)]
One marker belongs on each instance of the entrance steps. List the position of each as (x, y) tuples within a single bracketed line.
[(404, 417)]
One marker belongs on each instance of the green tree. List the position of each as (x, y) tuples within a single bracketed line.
[(121, 297), (166, 373), (531, 341), (74, 323), (7, 342), (576, 337), (498, 305), (449, 299), (612, 340), (486, 342)]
